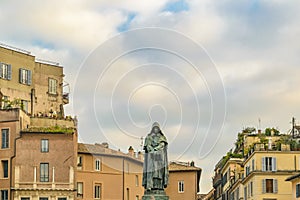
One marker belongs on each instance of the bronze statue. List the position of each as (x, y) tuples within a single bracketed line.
[(155, 173)]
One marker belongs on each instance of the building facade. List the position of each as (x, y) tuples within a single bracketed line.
[(295, 180), (103, 173), (38, 145), (31, 84), (258, 168), (184, 180)]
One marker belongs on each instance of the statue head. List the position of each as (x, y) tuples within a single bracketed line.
[(156, 128)]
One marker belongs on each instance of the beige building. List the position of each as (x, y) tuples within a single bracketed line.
[(103, 173), (33, 85), (267, 161), (295, 179), (183, 181)]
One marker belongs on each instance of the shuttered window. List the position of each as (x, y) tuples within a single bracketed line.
[(25, 76), (269, 186), (5, 71), (269, 164)]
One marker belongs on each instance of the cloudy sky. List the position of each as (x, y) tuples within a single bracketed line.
[(203, 69)]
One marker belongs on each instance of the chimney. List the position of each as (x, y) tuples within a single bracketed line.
[(105, 144), (192, 164), (131, 151), (140, 156)]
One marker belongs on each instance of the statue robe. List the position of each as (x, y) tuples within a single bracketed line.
[(155, 170)]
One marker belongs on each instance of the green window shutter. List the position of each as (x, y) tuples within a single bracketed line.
[(264, 186), (1, 70), (275, 186), (29, 76), (263, 164), (20, 75), (9, 72), (274, 167)]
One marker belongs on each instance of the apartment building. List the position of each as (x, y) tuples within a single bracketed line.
[(184, 178), (104, 173), (295, 180), (38, 145), (258, 168), (34, 85)]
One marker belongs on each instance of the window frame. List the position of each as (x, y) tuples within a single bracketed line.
[(44, 172), (44, 150), (2, 194), (98, 166), (5, 144), (5, 71), (52, 86), (181, 186), (80, 193), (272, 183), (269, 164), (297, 190), (97, 190), (137, 180), (25, 76), (5, 169)]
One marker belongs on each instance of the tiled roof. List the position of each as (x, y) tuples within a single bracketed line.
[(103, 150), (174, 166)]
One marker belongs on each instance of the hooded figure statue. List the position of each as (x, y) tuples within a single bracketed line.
[(155, 171)]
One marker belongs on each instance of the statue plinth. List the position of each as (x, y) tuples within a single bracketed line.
[(155, 195)]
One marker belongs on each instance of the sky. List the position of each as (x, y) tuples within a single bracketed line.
[(204, 69)]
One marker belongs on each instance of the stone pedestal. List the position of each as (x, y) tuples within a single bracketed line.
[(155, 195)]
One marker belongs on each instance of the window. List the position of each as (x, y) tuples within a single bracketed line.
[(269, 164), (79, 161), (4, 194), (237, 193), (5, 138), (62, 198), (80, 189), (253, 162), (24, 105), (269, 186), (97, 194), (4, 166), (44, 145), (98, 165), (297, 190), (25, 198), (137, 197), (44, 172), (245, 193), (52, 86), (25, 76), (224, 178), (250, 189), (180, 186), (43, 198), (137, 180), (5, 71), (247, 170)]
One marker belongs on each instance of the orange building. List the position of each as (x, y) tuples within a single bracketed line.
[(103, 173), (183, 181)]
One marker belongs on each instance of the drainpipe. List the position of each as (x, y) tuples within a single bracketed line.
[(11, 159), (32, 101), (123, 174)]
